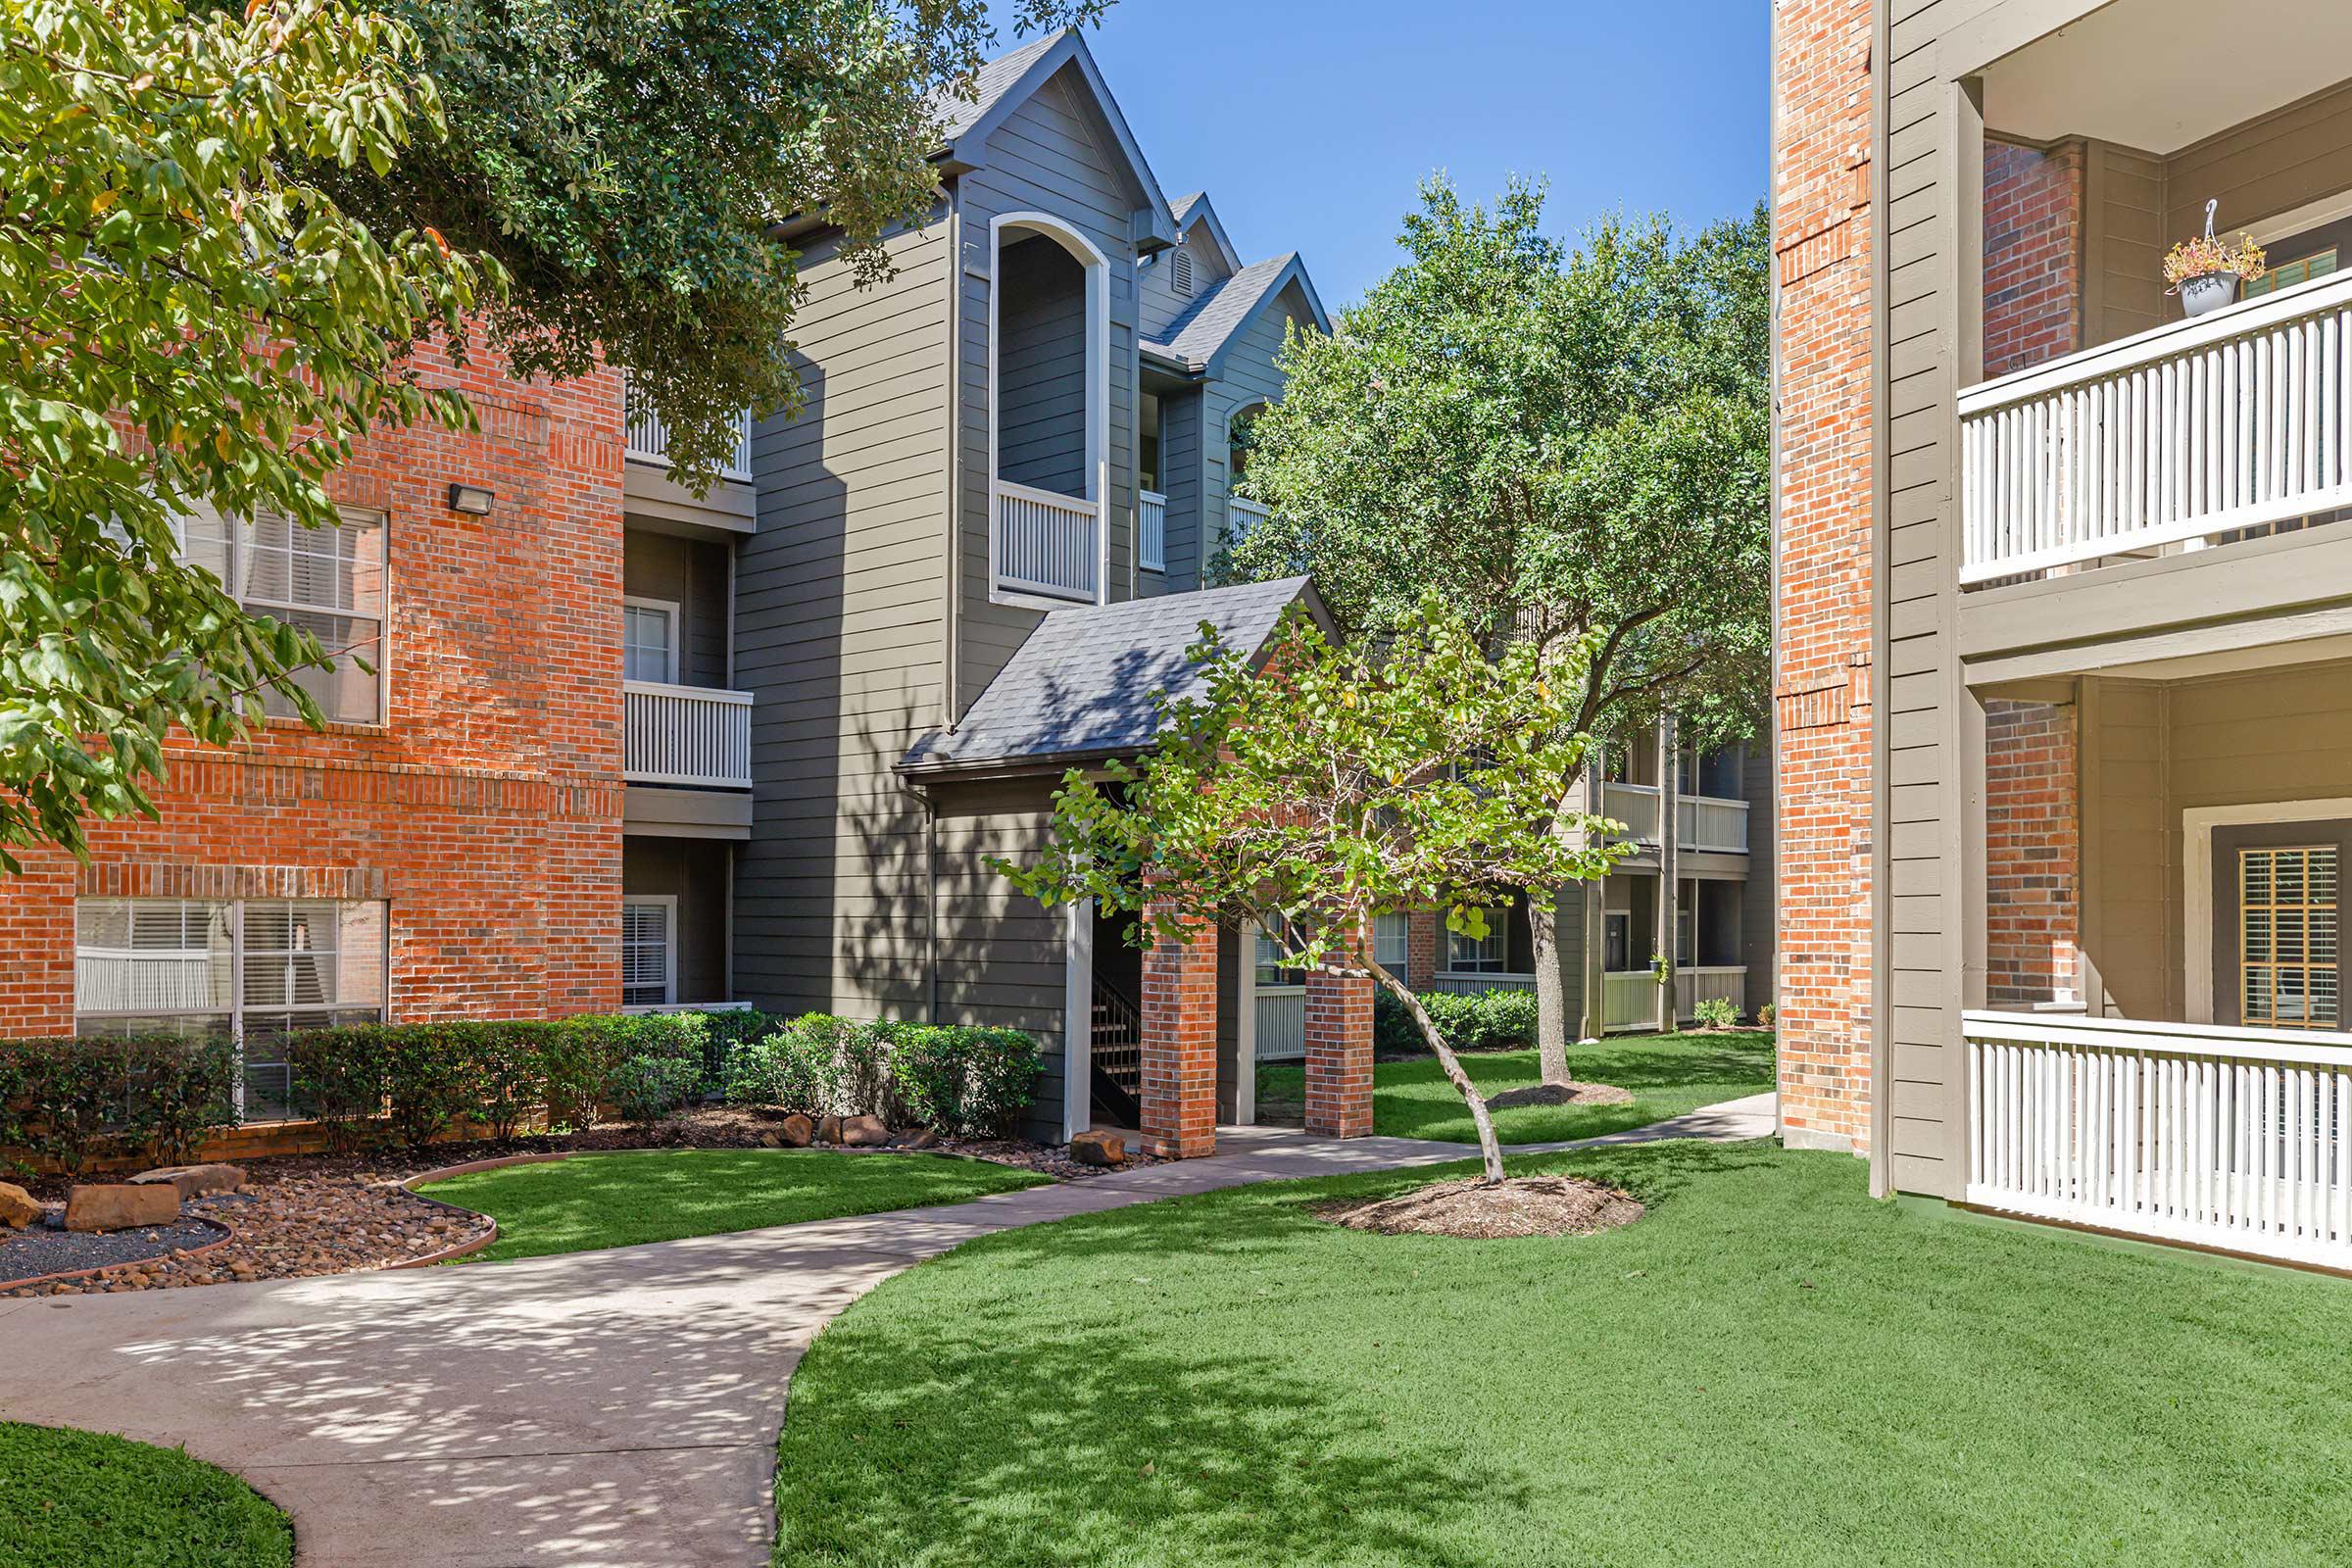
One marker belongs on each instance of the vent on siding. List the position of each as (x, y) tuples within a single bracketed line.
[(1180, 274)]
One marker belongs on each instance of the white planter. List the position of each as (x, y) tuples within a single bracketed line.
[(2208, 293)]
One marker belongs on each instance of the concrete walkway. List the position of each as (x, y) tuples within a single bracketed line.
[(615, 1409)]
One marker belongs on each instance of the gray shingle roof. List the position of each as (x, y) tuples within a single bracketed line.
[(1084, 682), (1195, 336), (995, 79)]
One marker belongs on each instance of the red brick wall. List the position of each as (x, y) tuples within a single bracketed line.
[(2033, 254), (1424, 940), (1180, 1044), (487, 808), (1822, 711), (2032, 855)]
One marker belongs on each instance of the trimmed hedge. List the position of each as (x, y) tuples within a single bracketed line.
[(1489, 1021), (81, 1098), (961, 1081)]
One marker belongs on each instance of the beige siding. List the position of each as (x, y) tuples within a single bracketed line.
[(2124, 243)]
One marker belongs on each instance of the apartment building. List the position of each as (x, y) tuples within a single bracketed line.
[(2064, 732)]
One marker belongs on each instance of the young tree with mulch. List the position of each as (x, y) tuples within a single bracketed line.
[(1322, 784)]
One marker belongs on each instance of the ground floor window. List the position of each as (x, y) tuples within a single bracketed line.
[(252, 970), (1486, 954), (1392, 942), (2287, 935), (648, 951)]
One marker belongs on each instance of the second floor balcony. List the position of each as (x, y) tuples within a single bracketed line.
[(647, 440), (696, 736), (1707, 823)]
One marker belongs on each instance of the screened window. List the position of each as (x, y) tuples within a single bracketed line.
[(1486, 954), (649, 968), (327, 581), (1392, 942), (251, 970), (649, 641), (2288, 936)]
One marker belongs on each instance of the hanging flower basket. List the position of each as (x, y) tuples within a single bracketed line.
[(2205, 271)]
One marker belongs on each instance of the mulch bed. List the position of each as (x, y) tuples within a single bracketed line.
[(306, 1215), (1524, 1206), (1560, 1095)]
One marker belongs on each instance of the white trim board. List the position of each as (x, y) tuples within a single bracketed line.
[(1096, 268), (1078, 1020), (2198, 823)]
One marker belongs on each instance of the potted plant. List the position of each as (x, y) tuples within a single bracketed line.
[(2205, 271)]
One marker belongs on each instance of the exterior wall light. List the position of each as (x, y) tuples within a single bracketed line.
[(471, 498)]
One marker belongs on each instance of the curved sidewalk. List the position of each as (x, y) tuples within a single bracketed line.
[(616, 1409)]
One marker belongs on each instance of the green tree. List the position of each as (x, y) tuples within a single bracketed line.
[(186, 325), (628, 161), (1305, 793), (1570, 446)]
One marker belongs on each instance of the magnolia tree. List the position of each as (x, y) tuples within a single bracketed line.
[(1571, 445), (1309, 792), (187, 324)]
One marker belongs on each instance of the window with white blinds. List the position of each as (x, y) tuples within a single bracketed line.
[(2287, 935), (648, 958), (251, 970), (1392, 942), (327, 581)]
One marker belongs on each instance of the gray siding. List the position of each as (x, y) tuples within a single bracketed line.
[(1052, 155), (690, 573), (1759, 907), (694, 871), (1246, 375), (1180, 456), (1159, 303), (1040, 368), (840, 599)]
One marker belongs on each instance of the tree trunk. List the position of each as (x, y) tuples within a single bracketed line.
[(1489, 1148), (1551, 996)]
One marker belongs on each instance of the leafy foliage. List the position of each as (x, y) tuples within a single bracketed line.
[(962, 1081), (629, 162), (1571, 447), (1716, 1012), (1486, 1020), (69, 1101), (188, 325), (1305, 799), (648, 1089)]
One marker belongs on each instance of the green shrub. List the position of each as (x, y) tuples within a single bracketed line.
[(341, 1080), (1486, 1020), (1767, 1016), (962, 1081), (74, 1100), (511, 1075), (575, 1062), (432, 1078), (647, 1088), (727, 1033), (846, 1062), (1716, 1012), (779, 1070)]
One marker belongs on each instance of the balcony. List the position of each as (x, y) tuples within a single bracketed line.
[(1708, 823), (1245, 515), (2219, 1137), (1151, 530), (2184, 435), (699, 736), (648, 441), (1047, 542)]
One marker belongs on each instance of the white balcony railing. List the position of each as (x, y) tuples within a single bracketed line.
[(699, 735), (2224, 1138), (1471, 983), (1244, 516), (1630, 998), (2202, 427), (1281, 1019), (1047, 542), (648, 439), (1708, 822), (1151, 530)]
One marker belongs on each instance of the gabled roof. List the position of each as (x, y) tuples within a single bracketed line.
[(1004, 83), (1195, 339), (1192, 208), (1085, 683)]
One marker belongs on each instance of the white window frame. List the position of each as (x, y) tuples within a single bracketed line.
[(237, 1008), (1497, 937), (1392, 934), (670, 949), (2198, 823), (677, 631), (1097, 269), (277, 609)]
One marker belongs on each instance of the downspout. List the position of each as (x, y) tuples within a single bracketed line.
[(930, 805), (951, 707)]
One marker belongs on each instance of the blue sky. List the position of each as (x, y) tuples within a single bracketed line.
[(1311, 122)]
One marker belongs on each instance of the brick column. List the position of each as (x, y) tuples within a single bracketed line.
[(1180, 1044), (1339, 1054), (1423, 932)]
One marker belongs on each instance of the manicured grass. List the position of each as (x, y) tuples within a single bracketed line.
[(83, 1499), (1769, 1368), (1666, 1074), (596, 1201)]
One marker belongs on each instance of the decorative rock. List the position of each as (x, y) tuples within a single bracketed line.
[(864, 1132), (17, 1206), (195, 1181), (920, 1137), (799, 1131), (1099, 1148), (121, 1206), (770, 1140), (828, 1131)]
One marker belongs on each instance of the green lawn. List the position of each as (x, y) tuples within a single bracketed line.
[(1666, 1074), (1768, 1368), (82, 1499), (596, 1201)]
